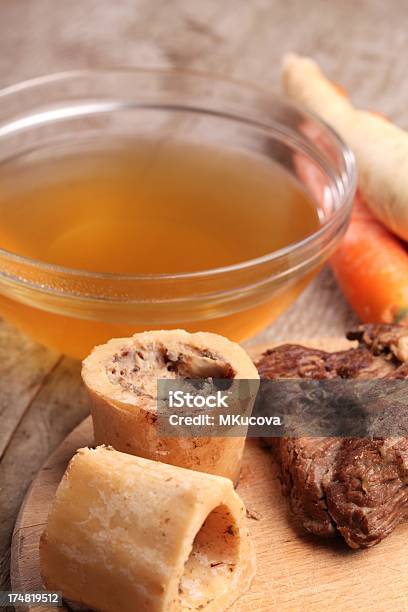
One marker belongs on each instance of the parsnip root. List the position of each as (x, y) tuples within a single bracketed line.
[(381, 148)]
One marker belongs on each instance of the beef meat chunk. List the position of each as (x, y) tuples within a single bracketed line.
[(367, 495), (354, 487), (307, 467)]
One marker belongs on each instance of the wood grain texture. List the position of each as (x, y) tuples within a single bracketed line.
[(362, 43), (295, 571), (24, 366), (55, 404)]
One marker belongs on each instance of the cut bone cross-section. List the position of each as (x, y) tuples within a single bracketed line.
[(126, 533), (121, 377)]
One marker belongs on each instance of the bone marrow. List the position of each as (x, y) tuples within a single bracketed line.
[(121, 377), (125, 533)]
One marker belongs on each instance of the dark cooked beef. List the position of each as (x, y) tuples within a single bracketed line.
[(390, 341), (356, 487), (307, 466), (367, 496)]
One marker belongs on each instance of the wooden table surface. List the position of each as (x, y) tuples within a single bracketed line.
[(362, 43)]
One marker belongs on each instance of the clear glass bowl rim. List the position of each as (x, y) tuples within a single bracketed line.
[(296, 247)]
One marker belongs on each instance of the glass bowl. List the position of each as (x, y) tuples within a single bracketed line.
[(73, 310)]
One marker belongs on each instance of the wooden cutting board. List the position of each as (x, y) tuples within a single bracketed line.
[(295, 571)]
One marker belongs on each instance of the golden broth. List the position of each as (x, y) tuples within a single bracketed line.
[(148, 208)]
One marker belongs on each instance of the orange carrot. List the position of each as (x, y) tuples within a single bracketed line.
[(371, 267)]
